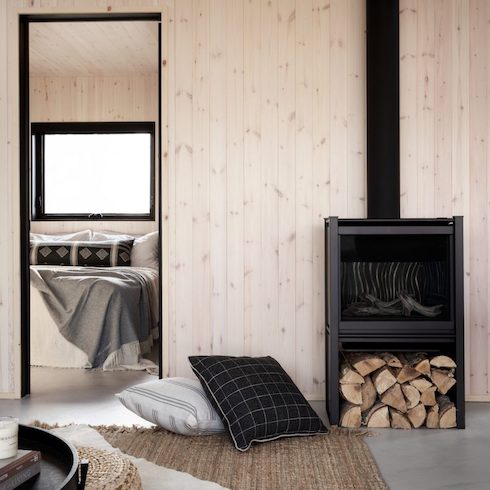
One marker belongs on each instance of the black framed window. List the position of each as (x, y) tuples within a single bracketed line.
[(93, 170)]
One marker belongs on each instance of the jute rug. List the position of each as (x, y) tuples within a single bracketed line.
[(339, 460)]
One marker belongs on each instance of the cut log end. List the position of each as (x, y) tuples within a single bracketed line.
[(369, 394), (349, 376), (378, 417), (412, 395), (399, 420), (447, 412), (443, 379), (383, 379), (407, 374), (421, 384), (442, 362), (417, 415), (350, 416), (428, 397), (365, 363), (391, 360), (352, 393), (433, 417), (394, 398)]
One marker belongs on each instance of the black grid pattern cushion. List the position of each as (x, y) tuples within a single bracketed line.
[(255, 398), (95, 254)]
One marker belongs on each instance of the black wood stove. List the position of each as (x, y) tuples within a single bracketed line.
[(394, 285)]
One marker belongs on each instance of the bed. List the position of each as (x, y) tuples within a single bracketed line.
[(84, 316)]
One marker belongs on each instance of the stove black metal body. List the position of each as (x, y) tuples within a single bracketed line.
[(394, 285)]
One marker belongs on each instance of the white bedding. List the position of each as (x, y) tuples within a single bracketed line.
[(50, 349)]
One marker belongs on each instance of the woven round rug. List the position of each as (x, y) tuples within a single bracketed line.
[(109, 471)]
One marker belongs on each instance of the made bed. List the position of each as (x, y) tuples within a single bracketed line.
[(84, 315)]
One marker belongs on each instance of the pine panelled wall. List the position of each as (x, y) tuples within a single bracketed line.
[(267, 137), (444, 109), (264, 111), (94, 98)]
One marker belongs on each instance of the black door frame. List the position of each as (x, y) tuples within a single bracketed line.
[(24, 135)]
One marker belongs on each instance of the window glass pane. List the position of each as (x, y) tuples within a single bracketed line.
[(97, 173)]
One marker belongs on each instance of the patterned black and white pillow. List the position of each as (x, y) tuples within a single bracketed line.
[(255, 398), (94, 254)]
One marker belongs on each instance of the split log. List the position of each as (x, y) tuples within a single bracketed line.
[(428, 397), (352, 393), (423, 367), (447, 412), (402, 357), (444, 380), (407, 374), (417, 415), (394, 398), (419, 362), (433, 417), (378, 416), (350, 416), (442, 362), (349, 376), (412, 395), (369, 394), (391, 360), (365, 363), (383, 379), (399, 420), (421, 384)]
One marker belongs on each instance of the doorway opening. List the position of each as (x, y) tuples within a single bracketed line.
[(90, 124)]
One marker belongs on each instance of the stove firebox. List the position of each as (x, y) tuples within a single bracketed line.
[(394, 285)]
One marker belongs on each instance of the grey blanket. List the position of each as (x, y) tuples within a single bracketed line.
[(98, 309)]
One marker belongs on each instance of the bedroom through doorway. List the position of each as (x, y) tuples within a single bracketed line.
[(91, 199)]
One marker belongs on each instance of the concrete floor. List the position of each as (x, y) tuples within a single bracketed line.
[(83, 396), (418, 459)]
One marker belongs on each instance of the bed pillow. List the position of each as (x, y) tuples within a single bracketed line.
[(84, 235), (176, 404), (103, 236), (99, 254), (255, 398), (145, 251)]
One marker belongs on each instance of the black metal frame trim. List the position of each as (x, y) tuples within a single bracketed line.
[(25, 297), (25, 194), (39, 130)]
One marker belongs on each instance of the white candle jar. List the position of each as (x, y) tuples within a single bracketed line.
[(9, 430)]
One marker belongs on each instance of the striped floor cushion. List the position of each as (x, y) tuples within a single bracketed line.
[(176, 404)]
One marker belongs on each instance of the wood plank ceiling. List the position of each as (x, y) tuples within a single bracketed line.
[(61, 49)]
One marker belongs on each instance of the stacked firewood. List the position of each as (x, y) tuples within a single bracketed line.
[(399, 391)]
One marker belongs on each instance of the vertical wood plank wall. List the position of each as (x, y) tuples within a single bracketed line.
[(269, 138), (91, 98), (266, 136), (445, 102)]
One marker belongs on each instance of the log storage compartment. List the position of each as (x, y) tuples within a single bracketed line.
[(395, 327), (400, 391)]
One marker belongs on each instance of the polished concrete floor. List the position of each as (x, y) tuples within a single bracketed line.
[(417, 459), (83, 396)]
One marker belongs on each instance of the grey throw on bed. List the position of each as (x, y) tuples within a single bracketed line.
[(100, 310)]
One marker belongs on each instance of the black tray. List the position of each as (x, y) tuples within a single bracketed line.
[(59, 465)]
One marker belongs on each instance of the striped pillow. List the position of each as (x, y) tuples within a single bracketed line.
[(176, 404), (95, 254)]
